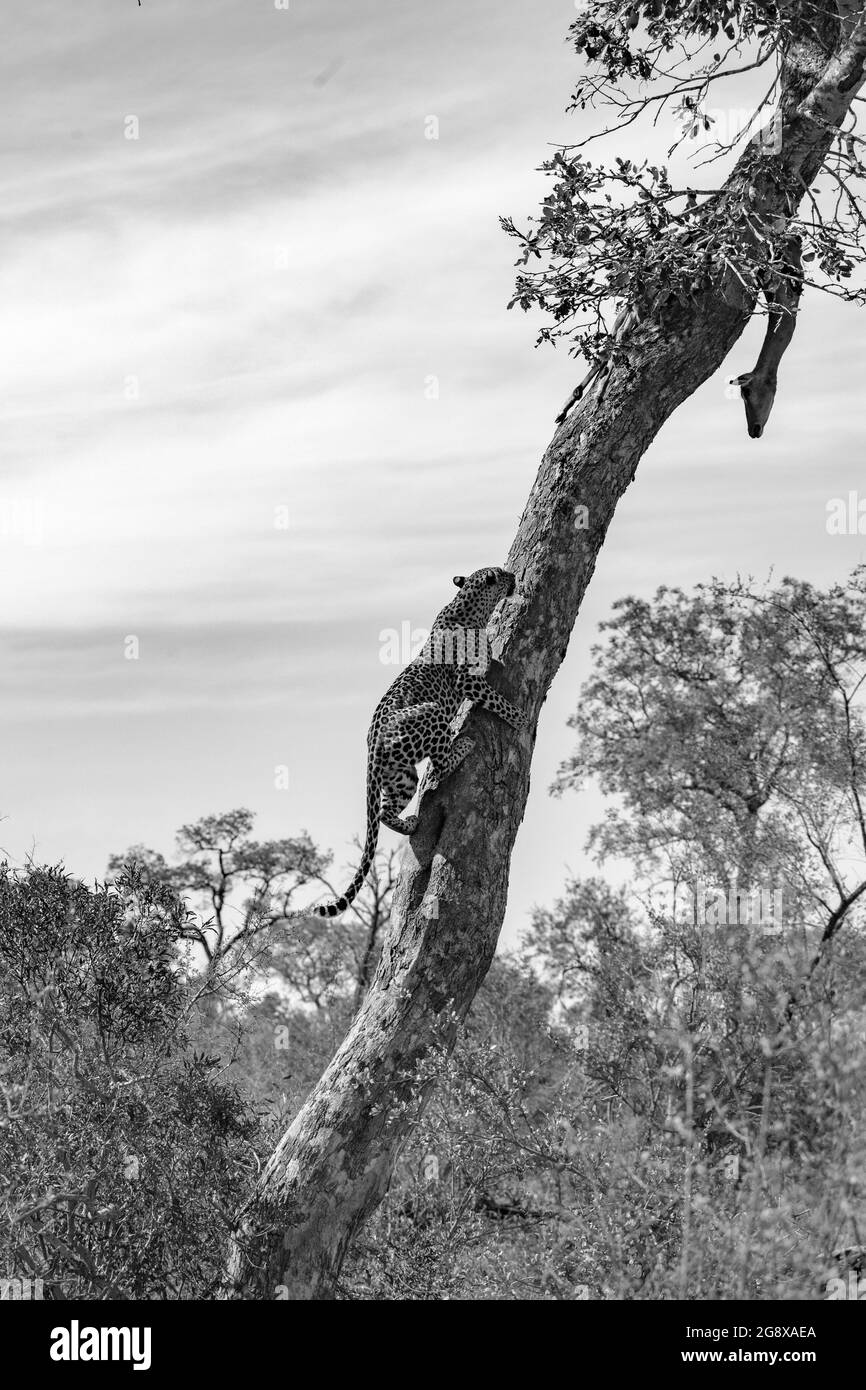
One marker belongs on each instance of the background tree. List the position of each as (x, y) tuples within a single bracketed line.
[(691, 277), (727, 729), (122, 1151), (274, 1002), (703, 1160), (307, 986), (245, 885), (727, 726)]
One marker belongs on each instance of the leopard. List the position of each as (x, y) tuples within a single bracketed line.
[(412, 722)]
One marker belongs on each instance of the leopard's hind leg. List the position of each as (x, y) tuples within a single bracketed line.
[(413, 734), (399, 784)]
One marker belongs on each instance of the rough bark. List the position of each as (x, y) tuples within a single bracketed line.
[(333, 1165)]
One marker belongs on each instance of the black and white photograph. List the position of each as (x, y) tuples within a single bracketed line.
[(433, 796)]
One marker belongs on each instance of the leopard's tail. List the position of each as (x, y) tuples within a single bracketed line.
[(333, 909)]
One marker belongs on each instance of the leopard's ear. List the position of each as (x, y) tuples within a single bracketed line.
[(460, 580)]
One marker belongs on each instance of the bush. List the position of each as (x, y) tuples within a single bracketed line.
[(122, 1155)]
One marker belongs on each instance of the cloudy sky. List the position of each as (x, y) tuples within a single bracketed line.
[(221, 349)]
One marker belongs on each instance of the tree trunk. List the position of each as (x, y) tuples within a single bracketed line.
[(333, 1165)]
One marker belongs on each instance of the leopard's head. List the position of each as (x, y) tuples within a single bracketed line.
[(480, 592)]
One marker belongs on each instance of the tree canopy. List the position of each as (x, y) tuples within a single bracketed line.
[(630, 232)]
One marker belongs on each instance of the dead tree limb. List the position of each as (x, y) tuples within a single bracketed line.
[(782, 291)]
